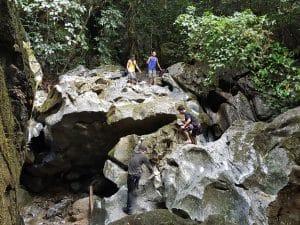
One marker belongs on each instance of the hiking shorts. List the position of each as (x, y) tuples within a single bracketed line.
[(151, 73), (196, 130), (131, 75)]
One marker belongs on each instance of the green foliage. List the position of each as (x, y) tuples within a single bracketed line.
[(59, 33), (149, 26), (241, 42), (286, 13), (65, 33), (108, 26), (55, 28)]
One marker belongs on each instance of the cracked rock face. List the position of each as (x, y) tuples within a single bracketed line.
[(87, 113), (249, 176), (150, 193), (249, 104), (235, 179)]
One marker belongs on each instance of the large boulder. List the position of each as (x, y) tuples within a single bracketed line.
[(262, 110), (237, 179), (158, 143), (150, 193), (115, 173), (245, 177), (190, 77), (159, 217), (231, 108), (88, 111), (193, 78)]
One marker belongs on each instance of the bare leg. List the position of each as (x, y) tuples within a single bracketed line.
[(193, 138), (187, 134)]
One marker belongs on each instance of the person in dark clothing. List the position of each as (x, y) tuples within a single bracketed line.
[(134, 174), (191, 126)]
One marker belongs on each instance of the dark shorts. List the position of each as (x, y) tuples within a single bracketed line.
[(196, 129)]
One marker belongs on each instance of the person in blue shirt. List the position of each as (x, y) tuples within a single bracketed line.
[(152, 64)]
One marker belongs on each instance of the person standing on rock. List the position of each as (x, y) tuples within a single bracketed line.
[(152, 64), (191, 126), (131, 67), (134, 174)]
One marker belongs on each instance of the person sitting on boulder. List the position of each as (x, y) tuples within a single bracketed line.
[(191, 126), (131, 66), (134, 174)]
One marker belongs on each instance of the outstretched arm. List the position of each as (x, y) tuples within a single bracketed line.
[(137, 66), (158, 65)]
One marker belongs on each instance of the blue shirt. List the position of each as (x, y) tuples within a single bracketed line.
[(152, 63)]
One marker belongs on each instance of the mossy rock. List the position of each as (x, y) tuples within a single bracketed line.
[(12, 36), (54, 100), (157, 217)]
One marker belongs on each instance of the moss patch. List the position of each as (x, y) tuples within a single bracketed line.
[(158, 217)]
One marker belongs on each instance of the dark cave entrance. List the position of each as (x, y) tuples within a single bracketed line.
[(39, 175), (76, 164)]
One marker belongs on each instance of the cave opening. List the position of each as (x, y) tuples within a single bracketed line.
[(211, 103), (214, 100), (73, 156), (43, 173), (229, 86)]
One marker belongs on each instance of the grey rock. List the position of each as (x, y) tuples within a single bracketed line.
[(158, 217), (123, 150), (243, 178), (235, 179), (59, 209), (93, 109), (148, 198), (115, 173), (236, 108), (262, 110), (191, 77), (240, 108)]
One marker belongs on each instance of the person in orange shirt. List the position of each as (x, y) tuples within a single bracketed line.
[(131, 67)]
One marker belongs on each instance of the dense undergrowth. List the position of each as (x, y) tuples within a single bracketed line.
[(260, 36), (243, 42)]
